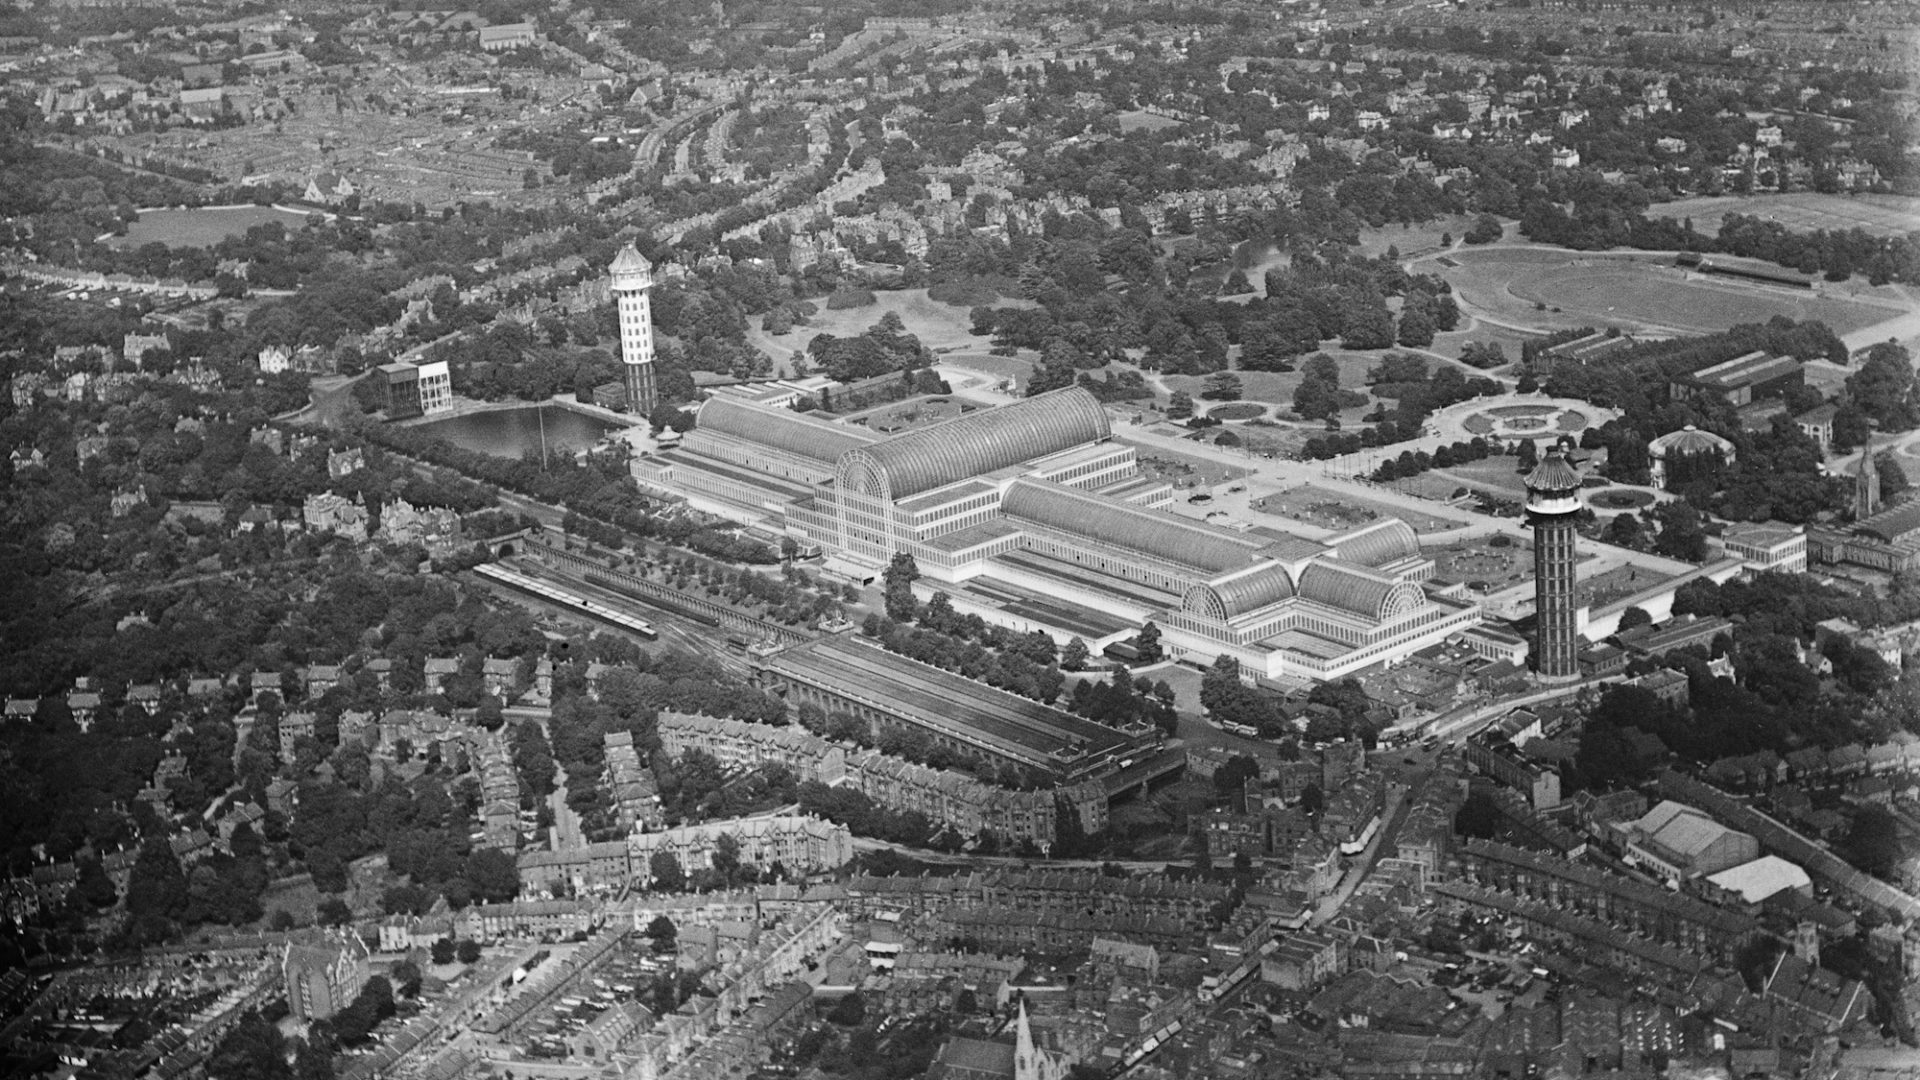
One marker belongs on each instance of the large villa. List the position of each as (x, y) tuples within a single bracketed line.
[(1034, 516)]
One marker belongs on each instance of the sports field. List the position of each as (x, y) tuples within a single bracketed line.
[(1551, 288), (1802, 211), (203, 227)]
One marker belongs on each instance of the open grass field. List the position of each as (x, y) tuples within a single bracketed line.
[(1472, 331), (939, 326), (1275, 440), (1413, 241), (1430, 486), (298, 897), (367, 879), (1141, 120), (1802, 211), (1498, 474), (1644, 292), (200, 227), (1331, 509), (1277, 387)]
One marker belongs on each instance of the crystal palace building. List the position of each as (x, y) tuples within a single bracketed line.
[(1033, 516)]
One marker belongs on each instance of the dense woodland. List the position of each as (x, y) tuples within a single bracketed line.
[(1329, 712)]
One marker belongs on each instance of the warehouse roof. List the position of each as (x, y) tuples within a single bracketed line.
[(1761, 878), (1681, 829)]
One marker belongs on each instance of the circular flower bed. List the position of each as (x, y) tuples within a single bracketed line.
[(1237, 410), (1622, 499), (1525, 421)]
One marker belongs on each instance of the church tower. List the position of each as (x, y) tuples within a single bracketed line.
[(1553, 504), (632, 277), (1806, 943), (1866, 485)]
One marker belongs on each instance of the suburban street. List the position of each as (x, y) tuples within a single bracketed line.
[(1362, 865)]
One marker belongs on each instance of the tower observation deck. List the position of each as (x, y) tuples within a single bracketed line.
[(1553, 504), (632, 278)]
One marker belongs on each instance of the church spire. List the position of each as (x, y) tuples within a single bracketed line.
[(1026, 1062), (1866, 484)]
